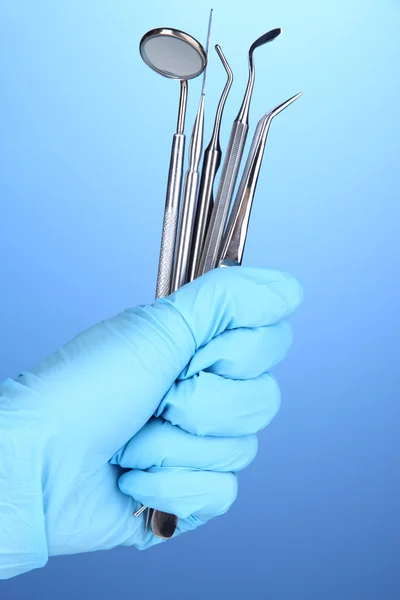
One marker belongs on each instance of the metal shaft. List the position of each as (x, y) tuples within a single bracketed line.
[(181, 267), (211, 163), (225, 191), (171, 211), (180, 274)]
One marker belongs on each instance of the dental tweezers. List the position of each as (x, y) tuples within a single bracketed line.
[(236, 232)]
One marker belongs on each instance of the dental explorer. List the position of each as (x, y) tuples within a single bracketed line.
[(211, 163), (176, 55), (188, 203), (236, 231), (226, 187)]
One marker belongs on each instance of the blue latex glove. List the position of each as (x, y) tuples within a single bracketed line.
[(199, 360)]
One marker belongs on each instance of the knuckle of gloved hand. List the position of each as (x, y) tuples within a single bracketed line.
[(249, 449), (272, 398), (219, 497), (193, 419), (286, 334), (267, 346), (164, 487), (222, 284), (219, 276), (227, 493), (198, 423)]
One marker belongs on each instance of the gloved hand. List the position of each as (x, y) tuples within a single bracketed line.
[(198, 360)]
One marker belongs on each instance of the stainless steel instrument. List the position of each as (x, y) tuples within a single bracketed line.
[(236, 231), (176, 55), (209, 255), (211, 163), (188, 205), (164, 524)]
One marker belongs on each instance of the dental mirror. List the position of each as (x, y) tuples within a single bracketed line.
[(176, 55), (173, 53)]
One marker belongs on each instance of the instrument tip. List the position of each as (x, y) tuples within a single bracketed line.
[(203, 91), (282, 106)]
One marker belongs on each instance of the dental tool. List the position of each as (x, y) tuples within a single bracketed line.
[(236, 231), (226, 187), (176, 55), (188, 204), (211, 163)]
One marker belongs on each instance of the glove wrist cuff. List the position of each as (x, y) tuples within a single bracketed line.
[(23, 543)]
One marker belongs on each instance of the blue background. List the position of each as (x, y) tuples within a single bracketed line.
[(85, 138)]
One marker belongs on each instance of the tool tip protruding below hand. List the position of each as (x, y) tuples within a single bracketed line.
[(163, 524)]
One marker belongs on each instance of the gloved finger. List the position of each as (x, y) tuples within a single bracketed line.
[(242, 353), (162, 338), (208, 404), (182, 492), (160, 444), (235, 297)]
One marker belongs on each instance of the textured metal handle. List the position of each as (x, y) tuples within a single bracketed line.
[(171, 213), (211, 250), (165, 264), (164, 525)]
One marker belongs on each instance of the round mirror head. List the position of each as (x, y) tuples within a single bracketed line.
[(173, 53)]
